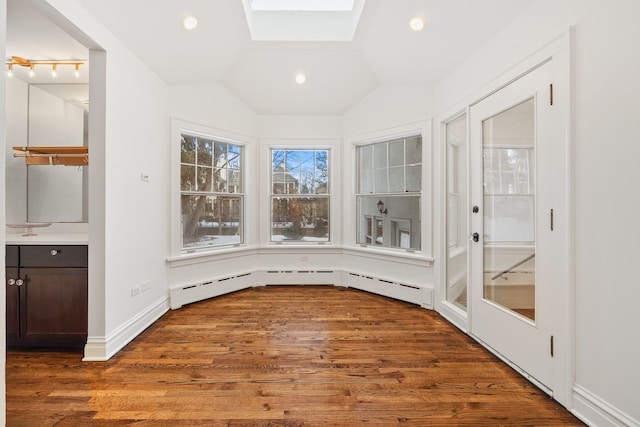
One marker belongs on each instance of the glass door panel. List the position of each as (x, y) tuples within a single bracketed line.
[(457, 212), (508, 149)]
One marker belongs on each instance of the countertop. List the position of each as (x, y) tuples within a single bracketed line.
[(56, 234)]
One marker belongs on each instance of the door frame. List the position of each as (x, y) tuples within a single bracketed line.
[(563, 305)]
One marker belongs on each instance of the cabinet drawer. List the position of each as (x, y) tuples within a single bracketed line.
[(11, 259), (53, 256)]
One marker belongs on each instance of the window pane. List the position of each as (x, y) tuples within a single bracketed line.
[(380, 182), (292, 164), (187, 178), (307, 172), (366, 157), (380, 156), (204, 176), (234, 157), (322, 172), (188, 149), (414, 178), (396, 179), (210, 220), (219, 180), (366, 181), (396, 153), (414, 150), (234, 185), (399, 214), (300, 219), (204, 152), (220, 154)]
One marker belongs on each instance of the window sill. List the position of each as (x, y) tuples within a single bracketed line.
[(399, 255), (207, 255)]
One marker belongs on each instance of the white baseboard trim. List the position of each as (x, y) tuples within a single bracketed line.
[(409, 292), (594, 411), (100, 349)]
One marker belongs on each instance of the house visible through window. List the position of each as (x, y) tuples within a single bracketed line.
[(388, 193), (300, 195), (211, 192)]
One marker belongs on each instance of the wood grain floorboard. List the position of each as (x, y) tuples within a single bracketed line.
[(282, 356)]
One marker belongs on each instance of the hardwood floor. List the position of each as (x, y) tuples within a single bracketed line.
[(282, 356)]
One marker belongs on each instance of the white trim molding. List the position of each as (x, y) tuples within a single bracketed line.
[(100, 349), (596, 412)]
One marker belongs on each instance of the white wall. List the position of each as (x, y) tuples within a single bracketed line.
[(387, 107), (212, 105), (606, 131), (3, 301), (128, 231)]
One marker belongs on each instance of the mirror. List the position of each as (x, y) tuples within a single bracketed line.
[(47, 109), (57, 116)]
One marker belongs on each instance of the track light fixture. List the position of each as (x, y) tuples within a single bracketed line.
[(53, 63)]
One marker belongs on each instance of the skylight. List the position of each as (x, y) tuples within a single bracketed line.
[(302, 20), (303, 5)]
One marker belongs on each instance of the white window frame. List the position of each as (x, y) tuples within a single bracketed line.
[(179, 127), (388, 194), (297, 195), (333, 146), (349, 204)]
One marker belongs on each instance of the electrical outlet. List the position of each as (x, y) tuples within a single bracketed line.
[(135, 290)]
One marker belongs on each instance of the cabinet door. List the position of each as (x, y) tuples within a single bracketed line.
[(55, 305), (13, 311)]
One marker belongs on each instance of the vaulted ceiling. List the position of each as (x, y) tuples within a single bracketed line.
[(383, 51)]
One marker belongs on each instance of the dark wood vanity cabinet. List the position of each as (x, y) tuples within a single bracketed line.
[(46, 295)]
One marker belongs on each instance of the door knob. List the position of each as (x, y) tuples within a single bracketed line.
[(11, 282), (475, 209), (475, 237), (19, 282)]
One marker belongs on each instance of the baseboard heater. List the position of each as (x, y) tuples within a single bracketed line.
[(186, 294), (301, 277), (403, 291)]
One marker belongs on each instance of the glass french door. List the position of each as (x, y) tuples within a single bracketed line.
[(512, 251)]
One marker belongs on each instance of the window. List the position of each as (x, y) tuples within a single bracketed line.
[(388, 193), (300, 195), (211, 192)]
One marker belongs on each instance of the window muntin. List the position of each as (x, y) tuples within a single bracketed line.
[(388, 193), (300, 199), (211, 192)]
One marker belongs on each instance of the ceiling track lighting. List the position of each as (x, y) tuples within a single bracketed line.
[(53, 63)]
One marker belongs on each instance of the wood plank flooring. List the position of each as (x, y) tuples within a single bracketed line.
[(282, 356)]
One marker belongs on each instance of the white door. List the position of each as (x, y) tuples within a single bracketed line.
[(515, 186)]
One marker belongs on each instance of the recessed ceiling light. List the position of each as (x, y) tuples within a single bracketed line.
[(301, 78), (190, 23), (417, 23)]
